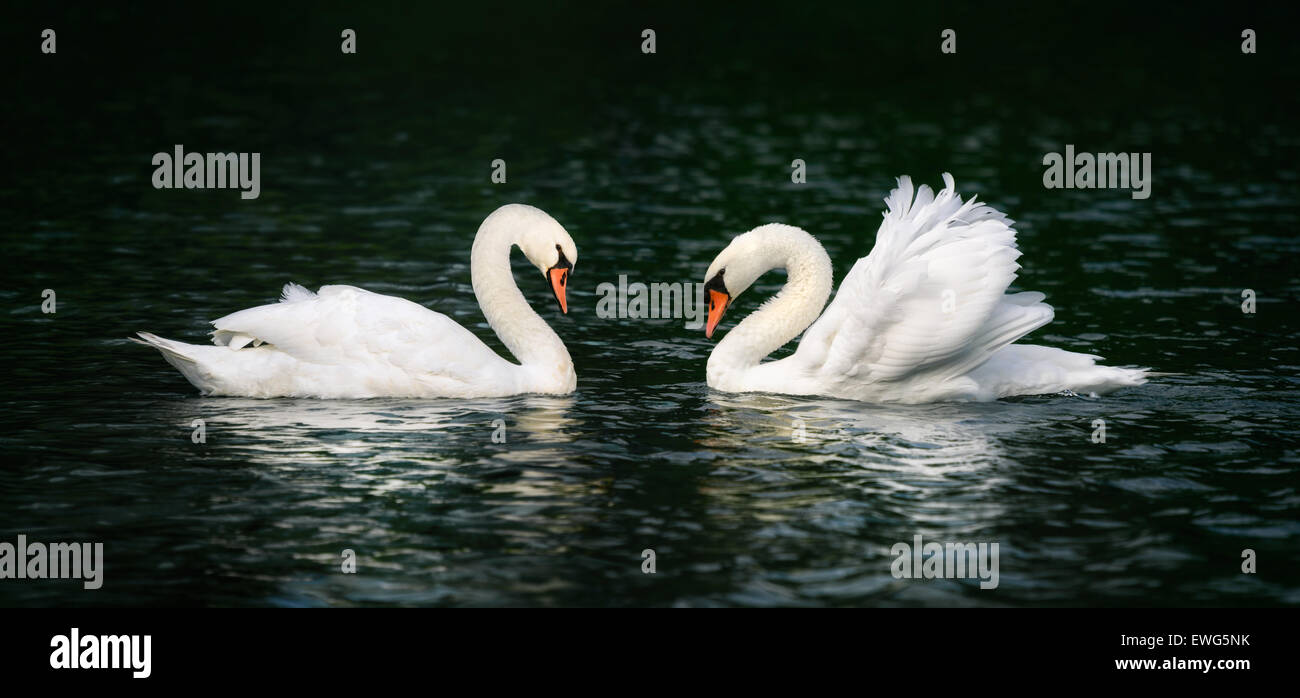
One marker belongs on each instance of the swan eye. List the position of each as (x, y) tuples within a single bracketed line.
[(562, 262), (717, 284)]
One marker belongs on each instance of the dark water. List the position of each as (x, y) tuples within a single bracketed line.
[(376, 173)]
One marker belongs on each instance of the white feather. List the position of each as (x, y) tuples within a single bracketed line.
[(346, 342), (924, 317)]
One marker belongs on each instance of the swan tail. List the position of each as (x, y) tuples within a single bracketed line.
[(183, 357), (1107, 379), (170, 350), (1026, 369)]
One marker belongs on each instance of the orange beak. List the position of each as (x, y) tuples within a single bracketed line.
[(718, 301), (560, 277)]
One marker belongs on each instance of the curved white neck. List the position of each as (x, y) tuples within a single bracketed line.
[(790, 311), (532, 342)]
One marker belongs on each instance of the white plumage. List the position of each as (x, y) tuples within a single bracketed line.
[(346, 342), (924, 317)]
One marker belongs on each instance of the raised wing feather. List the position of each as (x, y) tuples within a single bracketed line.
[(930, 298)]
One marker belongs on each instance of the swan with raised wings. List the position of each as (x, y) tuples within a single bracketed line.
[(346, 342), (925, 317)]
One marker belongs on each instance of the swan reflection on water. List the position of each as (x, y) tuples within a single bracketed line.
[(864, 477), (301, 432), (938, 439), (917, 466)]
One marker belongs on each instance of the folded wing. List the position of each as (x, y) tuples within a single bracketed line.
[(345, 325)]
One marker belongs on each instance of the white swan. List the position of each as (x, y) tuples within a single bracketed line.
[(346, 342), (923, 318)]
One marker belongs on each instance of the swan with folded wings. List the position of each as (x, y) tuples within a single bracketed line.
[(925, 317), (346, 342)]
